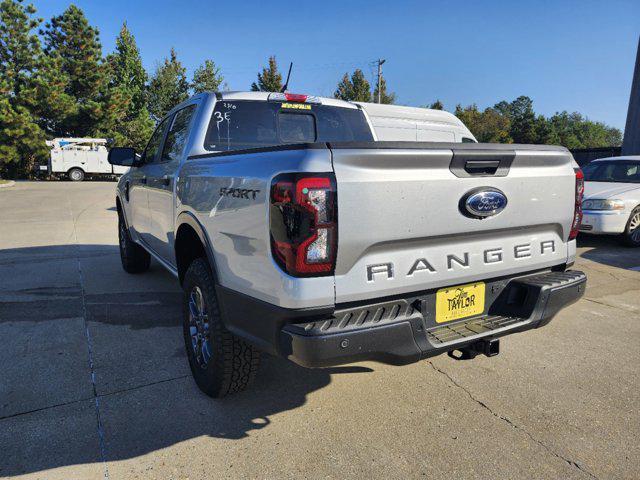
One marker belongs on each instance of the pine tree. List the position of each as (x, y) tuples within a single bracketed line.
[(523, 120), (168, 86), (48, 98), (355, 89), (75, 47), (345, 88), (207, 78), (270, 80), (126, 70), (437, 105), (126, 121), (21, 139), (385, 97)]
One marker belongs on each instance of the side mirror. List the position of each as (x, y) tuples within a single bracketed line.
[(123, 156)]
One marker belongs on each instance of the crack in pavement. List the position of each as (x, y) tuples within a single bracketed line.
[(100, 395), (100, 429), (48, 407), (632, 312), (511, 424)]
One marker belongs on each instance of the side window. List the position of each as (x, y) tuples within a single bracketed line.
[(468, 140), (177, 135), (149, 154)]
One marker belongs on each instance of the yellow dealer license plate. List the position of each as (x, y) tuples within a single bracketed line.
[(454, 303)]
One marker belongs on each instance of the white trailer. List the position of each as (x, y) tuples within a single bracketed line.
[(78, 157)]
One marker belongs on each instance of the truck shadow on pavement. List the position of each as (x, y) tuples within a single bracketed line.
[(608, 250), (90, 342)]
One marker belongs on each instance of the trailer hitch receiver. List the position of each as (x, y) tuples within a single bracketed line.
[(489, 347)]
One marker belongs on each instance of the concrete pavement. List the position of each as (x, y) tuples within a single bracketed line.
[(94, 382)]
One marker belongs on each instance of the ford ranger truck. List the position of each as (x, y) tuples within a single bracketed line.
[(292, 231)]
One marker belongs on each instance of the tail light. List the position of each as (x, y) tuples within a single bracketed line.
[(303, 221), (577, 213)]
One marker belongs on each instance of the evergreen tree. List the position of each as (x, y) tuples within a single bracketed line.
[(207, 78), (355, 89), (126, 120), (270, 80), (545, 134), (75, 47), (126, 70), (168, 86), (19, 46), (437, 105), (523, 120), (21, 139), (385, 97), (345, 88), (48, 99)]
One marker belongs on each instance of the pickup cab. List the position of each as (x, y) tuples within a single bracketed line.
[(292, 231)]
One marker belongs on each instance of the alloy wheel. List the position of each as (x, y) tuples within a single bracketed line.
[(634, 227), (199, 328)]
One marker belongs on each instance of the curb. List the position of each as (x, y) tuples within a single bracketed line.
[(7, 185)]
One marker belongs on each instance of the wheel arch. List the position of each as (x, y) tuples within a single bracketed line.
[(121, 210), (191, 242)]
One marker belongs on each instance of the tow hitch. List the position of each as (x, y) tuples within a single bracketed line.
[(488, 347)]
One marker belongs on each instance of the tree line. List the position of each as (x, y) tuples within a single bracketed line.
[(55, 82)]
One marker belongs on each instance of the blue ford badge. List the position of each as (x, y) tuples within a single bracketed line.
[(484, 202)]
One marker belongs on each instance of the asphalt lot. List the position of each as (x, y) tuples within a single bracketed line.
[(94, 382)]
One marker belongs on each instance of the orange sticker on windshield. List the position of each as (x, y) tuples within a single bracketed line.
[(297, 106)]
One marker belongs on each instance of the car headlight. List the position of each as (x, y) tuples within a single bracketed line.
[(597, 204)]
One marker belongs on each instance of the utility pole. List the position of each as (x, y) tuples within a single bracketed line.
[(380, 62)]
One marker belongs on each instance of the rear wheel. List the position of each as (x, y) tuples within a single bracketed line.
[(134, 258), (631, 234), (220, 362), (76, 175)]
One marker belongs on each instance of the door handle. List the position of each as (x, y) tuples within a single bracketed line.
[(143, 180), (166, 180)]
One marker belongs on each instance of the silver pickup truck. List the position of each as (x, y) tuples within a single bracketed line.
[(292, 231)]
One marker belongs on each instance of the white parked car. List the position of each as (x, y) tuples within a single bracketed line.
[(612, 198)]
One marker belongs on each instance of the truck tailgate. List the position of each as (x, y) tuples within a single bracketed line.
[(403, 226)]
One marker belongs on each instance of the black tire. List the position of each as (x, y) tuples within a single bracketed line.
[(135, 259), (220, 362), (631, 235), (76, 175)]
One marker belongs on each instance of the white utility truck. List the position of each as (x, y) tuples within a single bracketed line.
[(79, 157)]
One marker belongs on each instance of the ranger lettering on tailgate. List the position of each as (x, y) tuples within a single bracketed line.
[(489, 256)]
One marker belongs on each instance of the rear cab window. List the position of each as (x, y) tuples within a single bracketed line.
[(246, 124)]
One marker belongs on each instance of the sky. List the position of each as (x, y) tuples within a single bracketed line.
[(565, 55)]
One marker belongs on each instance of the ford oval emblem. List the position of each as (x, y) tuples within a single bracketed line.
[(484, 202)]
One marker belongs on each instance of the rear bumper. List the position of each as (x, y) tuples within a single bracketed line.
[(403, 330), (604, 222)]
